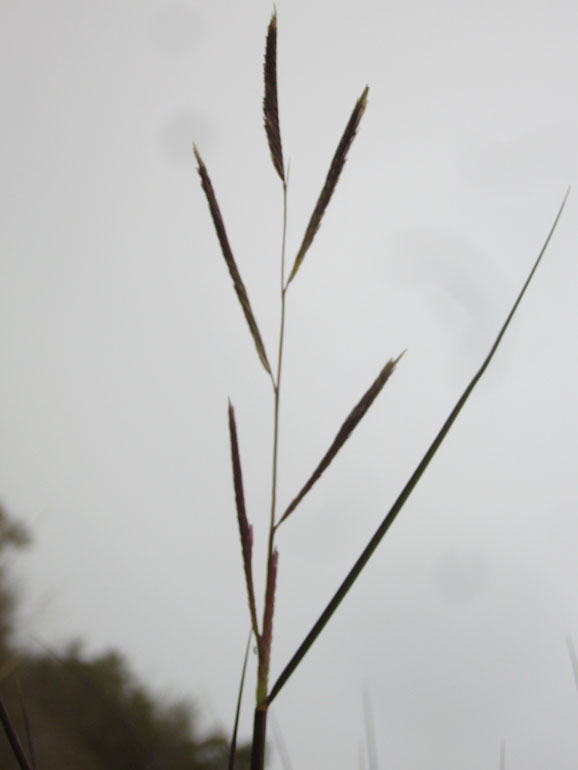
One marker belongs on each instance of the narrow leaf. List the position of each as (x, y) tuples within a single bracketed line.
[(351, 422), (233, 746), (331, 181), (405, 493), (228, 254), (245, 529), (270, 106)]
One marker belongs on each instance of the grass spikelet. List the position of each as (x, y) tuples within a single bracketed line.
[(331, 181), (270, 106), (229, 259), (245, 529), (268, 625), (351, 422)]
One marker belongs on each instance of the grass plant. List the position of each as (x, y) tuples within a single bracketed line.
[(262, 623), (262, 629)]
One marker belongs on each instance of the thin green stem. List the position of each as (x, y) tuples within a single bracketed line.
[(269, 599), (279, 371)]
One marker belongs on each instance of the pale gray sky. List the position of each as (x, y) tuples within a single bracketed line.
[(121, 339)]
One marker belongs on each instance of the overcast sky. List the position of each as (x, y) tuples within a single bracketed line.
[(121, 339)]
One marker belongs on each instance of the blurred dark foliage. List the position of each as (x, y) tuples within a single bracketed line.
[(73, 711)]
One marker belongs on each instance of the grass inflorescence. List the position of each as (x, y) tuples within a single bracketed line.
[(263, 632)]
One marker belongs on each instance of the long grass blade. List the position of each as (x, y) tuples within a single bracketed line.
[(331, 181), (233, 746), (270, 106), (407, 490), (229, 259), (351, 422), (245, 529), (13, 739)]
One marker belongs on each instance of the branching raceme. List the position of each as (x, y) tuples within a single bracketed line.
[(263, 632)]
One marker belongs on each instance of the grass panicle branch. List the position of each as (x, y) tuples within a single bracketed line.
[(271, 120), (408, 488), (331, 181), (351, 422), (268, 613), (245, 529), (270, 106), (229, 259)]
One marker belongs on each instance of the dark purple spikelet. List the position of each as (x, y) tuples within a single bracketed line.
[(269, 610), (270, 105), (331, 181), (247, 545), (349, 425), (238, 284), (245, 529)]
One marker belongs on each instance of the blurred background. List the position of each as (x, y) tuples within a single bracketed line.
[(121, 339)]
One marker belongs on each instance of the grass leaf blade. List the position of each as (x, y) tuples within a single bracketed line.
[(245, 529), (331, 181), (229, 259), (270, 105), (349, 425), (233, 746), (407, 490)]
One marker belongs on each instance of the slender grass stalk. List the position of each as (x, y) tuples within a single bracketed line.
[(265, 635), (270, 592)]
